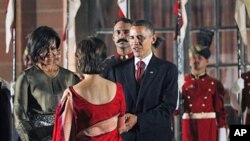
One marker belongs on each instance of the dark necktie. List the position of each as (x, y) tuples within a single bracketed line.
[(140, 70)]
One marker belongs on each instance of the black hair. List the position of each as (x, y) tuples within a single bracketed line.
[(150, 27), (91, 53), (144, 23), (124, 20), (40, 40)]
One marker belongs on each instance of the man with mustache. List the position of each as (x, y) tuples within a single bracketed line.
[(150, 87), (123, 50), (204, 117)]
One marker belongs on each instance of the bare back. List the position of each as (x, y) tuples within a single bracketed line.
[(96, 90)]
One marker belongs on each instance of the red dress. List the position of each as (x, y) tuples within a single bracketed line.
[(86, 114)]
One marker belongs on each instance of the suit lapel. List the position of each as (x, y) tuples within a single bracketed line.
[(148, 78), (130, 79)]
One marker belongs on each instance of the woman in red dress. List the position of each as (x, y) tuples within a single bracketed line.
[(92, 110)]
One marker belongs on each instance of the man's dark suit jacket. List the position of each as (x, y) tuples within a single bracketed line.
[(5, 110), (155, 102), (108, 63)]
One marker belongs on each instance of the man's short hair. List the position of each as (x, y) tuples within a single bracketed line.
[(124, 20), (144, 23)]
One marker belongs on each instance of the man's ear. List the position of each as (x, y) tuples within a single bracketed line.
[(207, 60), (153, 39)]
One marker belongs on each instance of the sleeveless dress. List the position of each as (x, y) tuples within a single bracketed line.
[(86, 114)]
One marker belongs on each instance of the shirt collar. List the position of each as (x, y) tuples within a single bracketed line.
[(145, 60)]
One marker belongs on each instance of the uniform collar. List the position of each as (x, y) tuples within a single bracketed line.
[(199, 76), (124, 57)]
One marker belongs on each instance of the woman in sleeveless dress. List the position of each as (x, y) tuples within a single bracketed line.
[(93, 109)]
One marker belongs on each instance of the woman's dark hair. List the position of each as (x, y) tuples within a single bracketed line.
[(40, 40), (90, 54)]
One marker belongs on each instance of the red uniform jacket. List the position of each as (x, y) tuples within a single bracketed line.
[(204, 109)]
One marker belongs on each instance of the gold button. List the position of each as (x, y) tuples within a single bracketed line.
[(202, 79), (212, 83), (190, 105), (188, 97), (203, 105), (205, 97), (209, 90)]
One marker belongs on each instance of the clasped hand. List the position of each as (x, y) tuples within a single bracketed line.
[(130, 121)]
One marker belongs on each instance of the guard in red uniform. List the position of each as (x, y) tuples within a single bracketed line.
[(204, 117)]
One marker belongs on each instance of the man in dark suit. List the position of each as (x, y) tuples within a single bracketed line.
[(150, 100), (5, 110)]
